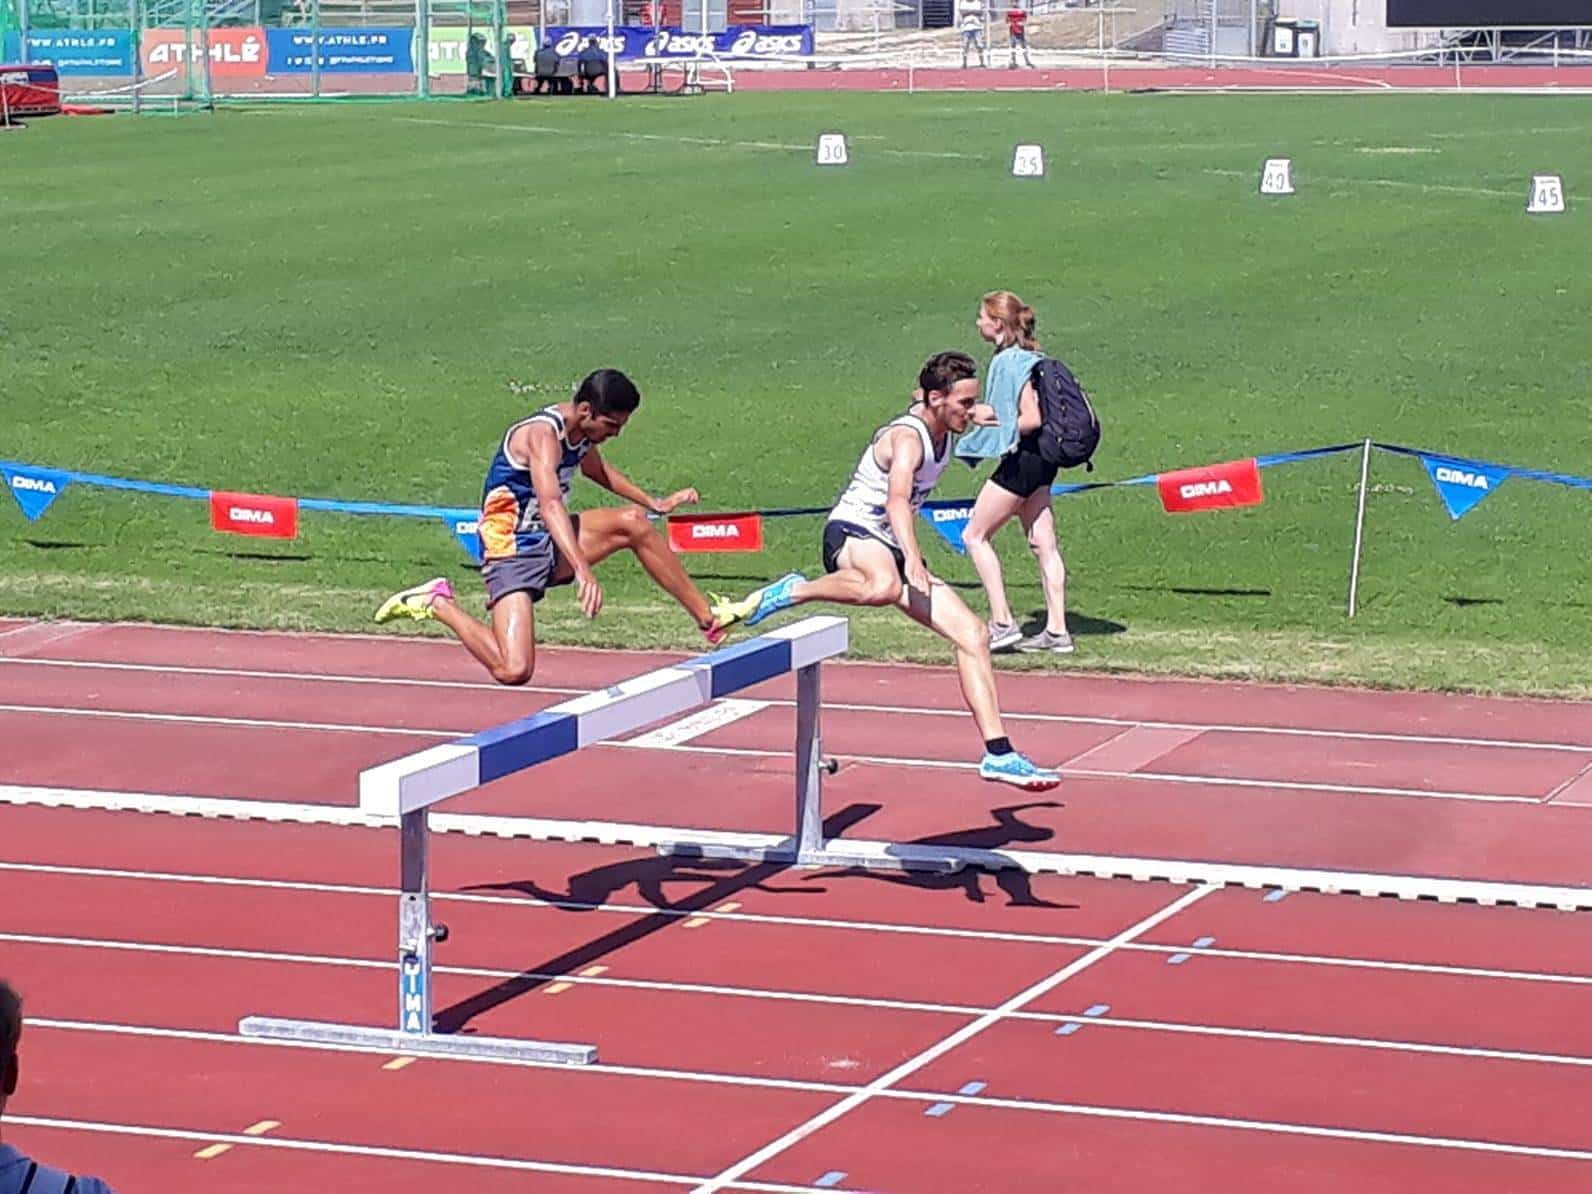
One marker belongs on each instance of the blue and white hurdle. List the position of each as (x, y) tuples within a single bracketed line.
[(408, 788)]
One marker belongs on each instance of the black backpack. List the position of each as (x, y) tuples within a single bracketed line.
[(1069, 432)]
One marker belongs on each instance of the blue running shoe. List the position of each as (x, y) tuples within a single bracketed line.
[(769, 600), (1019, 771)]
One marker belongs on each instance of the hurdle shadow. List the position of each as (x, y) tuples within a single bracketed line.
[(716, 878), (1008, 830)]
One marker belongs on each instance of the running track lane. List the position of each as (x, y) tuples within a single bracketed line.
[(1179, 1067), (1220, 794)]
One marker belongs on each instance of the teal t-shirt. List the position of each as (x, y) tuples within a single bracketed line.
[(1009, 371)]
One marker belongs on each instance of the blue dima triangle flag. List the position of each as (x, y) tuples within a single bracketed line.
[(464, 527), (1462, 483), (35, 488), (950, 519)]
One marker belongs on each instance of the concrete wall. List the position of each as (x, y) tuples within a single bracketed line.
[(1351, 26)]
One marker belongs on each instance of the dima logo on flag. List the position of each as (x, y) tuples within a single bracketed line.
[(1462, 484), (35, 488)]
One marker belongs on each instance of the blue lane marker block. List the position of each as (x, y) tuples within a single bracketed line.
[(1068, 1029), (1276, 897), (833, 1178), (971, 1088), (939, 1109), (1199, 943), (1098, 1009)]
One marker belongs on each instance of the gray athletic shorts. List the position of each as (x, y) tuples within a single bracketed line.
[(530, 571)]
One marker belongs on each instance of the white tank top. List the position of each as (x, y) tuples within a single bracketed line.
[(863, 501)]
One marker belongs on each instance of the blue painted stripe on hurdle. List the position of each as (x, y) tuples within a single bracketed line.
[(516, 745), (745, 664)]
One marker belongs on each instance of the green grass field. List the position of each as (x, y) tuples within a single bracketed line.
[(354, 302)]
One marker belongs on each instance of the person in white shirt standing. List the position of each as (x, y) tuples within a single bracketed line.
[(970, 19), (20, 1173)]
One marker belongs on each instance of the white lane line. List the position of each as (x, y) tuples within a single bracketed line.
[(1383, 182), (710, 1077), (239, 722), (723, 712), (672, 139), (1262, 1125), (754, 753), (1174, 1027), (961, 1036), (852, 852), (532, 903), (474, 1160), (1034, 1105), (848, 706)]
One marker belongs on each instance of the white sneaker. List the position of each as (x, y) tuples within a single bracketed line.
[(1003, 635), (1056, 644)]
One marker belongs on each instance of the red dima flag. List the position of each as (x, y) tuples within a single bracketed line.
[(254, 514), (1213, 487), (716, 532)]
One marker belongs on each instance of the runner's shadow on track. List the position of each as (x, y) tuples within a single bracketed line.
[(1008, 830), (717, 879)]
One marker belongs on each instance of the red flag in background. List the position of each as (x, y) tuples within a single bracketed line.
[(254, 514), (716, 532), (1213, 487)]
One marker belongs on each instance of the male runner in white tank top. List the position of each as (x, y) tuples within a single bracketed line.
[(871, 555)]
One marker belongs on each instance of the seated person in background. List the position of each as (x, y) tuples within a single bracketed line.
[(544, 63), (479, 66), (594, 66)]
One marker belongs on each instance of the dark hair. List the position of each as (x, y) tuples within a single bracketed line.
[(10, 1023), (608, 392), (944, 369)]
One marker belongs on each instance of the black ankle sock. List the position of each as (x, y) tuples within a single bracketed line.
[(998, 746)]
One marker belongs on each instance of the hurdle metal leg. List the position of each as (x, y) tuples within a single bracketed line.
[(809, 766), (417, 937)]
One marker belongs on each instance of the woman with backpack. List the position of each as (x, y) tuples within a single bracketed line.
[(1020, 485)]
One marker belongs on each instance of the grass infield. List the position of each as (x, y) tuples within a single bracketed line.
[(355, 301)]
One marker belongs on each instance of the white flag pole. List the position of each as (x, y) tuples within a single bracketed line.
[(1359, 527), (613, 83)]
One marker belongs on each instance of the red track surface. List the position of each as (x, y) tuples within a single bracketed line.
[(1316, 1043)]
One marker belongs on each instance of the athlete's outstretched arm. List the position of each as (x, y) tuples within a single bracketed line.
[(610, 478)]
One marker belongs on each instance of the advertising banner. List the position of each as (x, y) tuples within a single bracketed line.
[(1462, 484), (254, 514), (235, 52), (34, 488), (1211, 487), (78, 51), (716, 532), (373, 51)]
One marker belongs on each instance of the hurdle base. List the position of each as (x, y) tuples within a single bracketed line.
[(837, 852), (431, 1044)]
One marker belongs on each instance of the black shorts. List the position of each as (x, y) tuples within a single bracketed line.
[(835, 536), (1023, 470), (532, 571)]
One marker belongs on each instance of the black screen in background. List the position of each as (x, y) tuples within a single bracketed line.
[(1488, 14)]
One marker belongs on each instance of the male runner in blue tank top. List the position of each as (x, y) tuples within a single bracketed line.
[(532, 542), (871, 556)]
